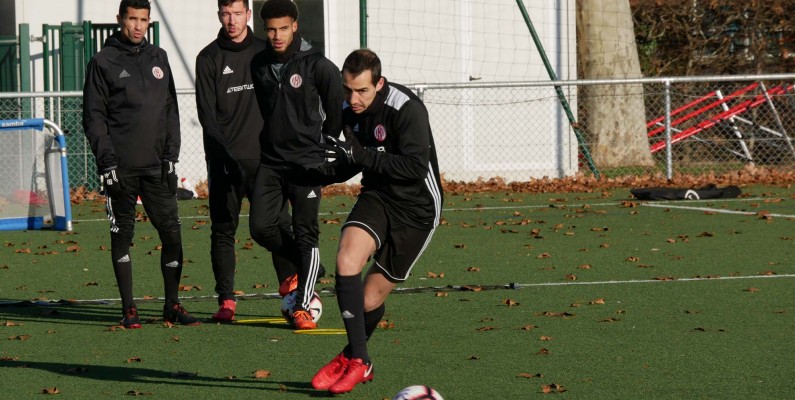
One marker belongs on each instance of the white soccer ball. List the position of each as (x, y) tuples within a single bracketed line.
[(418, 392), (288, 306)]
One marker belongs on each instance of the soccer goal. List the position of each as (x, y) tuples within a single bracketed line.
[(34, 181)]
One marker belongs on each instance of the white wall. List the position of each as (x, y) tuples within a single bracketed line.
[(438, 41)]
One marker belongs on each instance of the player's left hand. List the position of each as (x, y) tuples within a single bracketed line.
[(168, 173)]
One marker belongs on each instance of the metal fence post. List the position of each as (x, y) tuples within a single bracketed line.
[(669, 169)]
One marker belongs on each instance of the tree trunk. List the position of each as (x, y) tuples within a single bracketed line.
[(615, 114)]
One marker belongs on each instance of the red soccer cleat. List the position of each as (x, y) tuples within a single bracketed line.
[(226, 313), (330, 373), (289, 284), (357, 372), (303, 320)]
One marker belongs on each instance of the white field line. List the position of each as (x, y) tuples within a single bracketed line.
[(715, 210), (513, 207), (456, 288)]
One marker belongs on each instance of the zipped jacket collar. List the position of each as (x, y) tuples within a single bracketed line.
[(118, 41)]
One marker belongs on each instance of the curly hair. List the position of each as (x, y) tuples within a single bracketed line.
[(278, 9)]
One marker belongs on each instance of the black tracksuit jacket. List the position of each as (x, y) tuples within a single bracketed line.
[(130, 114), (225, 99), (399, 163), (299, 106)]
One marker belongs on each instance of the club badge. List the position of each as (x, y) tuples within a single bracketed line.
[(157, 72), (296, 81), (380, 133)]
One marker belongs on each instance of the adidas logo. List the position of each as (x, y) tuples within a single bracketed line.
[(124, 74), (126, 258), (228, 70), (311, 195), (173, 264), (347, 314)]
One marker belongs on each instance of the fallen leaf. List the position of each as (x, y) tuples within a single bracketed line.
[(544, 352), (261, 374), (133, 359), (571, 277), (597, 301), (585, 266), (485, 329), (552, 388), (510, 302), (19, 337), (528, 328), (471, 288), (386, 324), (442, 294), (473, 269), (52, 390), (528, 376), (545, 338), (751, 290)]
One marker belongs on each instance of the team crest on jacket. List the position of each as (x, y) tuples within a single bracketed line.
[(157, 72), (296, 81), (379, 133)]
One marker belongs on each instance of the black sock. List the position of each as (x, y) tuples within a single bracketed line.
[(372, 318), (171, 267), (122, 268), (350, 297)]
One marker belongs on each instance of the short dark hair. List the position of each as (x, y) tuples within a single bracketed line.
[(228, 3), (363, 60), (278, 9), (136, 4)]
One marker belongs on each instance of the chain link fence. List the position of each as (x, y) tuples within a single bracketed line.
[(521, 132)]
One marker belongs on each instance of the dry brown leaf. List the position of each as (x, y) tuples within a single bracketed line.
[(528, 375), (544, 352), (552, 388), (751, 290), (19, 337), (386, 324), (510, 302), (473, 269), (133, 359), (597, 301), (545, 338), (50, 390), (442, 294), (528, 328), (261, 374), (571, 277), (485, 329)]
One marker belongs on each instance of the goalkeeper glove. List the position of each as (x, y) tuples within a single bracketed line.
[(168, 174), (112, 186), (347, 149)]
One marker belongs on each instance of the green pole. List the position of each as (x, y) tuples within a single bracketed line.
[(363, 24), (563, 102), (156, 33), (69, 55), (24, 58), (45, 37)]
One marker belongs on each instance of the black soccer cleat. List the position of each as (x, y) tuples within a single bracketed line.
[(177, 314), (131, 319)]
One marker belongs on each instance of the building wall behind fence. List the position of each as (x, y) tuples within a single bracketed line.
[(471, 147)]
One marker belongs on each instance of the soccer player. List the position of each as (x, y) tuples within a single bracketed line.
[(131, 120), (300, 96), (231, 122), (387, 137)]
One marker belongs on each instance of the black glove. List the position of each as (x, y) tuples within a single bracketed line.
[(346, 149), (168, 173), (111, 185)]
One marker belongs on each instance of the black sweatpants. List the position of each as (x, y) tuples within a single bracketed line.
[(225, 198), (273, 189), (160, 205)]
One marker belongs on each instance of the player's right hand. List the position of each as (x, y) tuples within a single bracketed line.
[(111, 183)]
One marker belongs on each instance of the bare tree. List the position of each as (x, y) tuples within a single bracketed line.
[(616, 116)]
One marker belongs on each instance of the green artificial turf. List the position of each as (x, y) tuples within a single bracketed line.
[(614, 299)]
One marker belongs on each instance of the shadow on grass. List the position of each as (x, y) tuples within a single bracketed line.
[(139, 376)]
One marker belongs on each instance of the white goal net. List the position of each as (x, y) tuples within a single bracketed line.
[(34, 183)]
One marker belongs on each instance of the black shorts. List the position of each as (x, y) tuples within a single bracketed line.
[(398, 245)]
